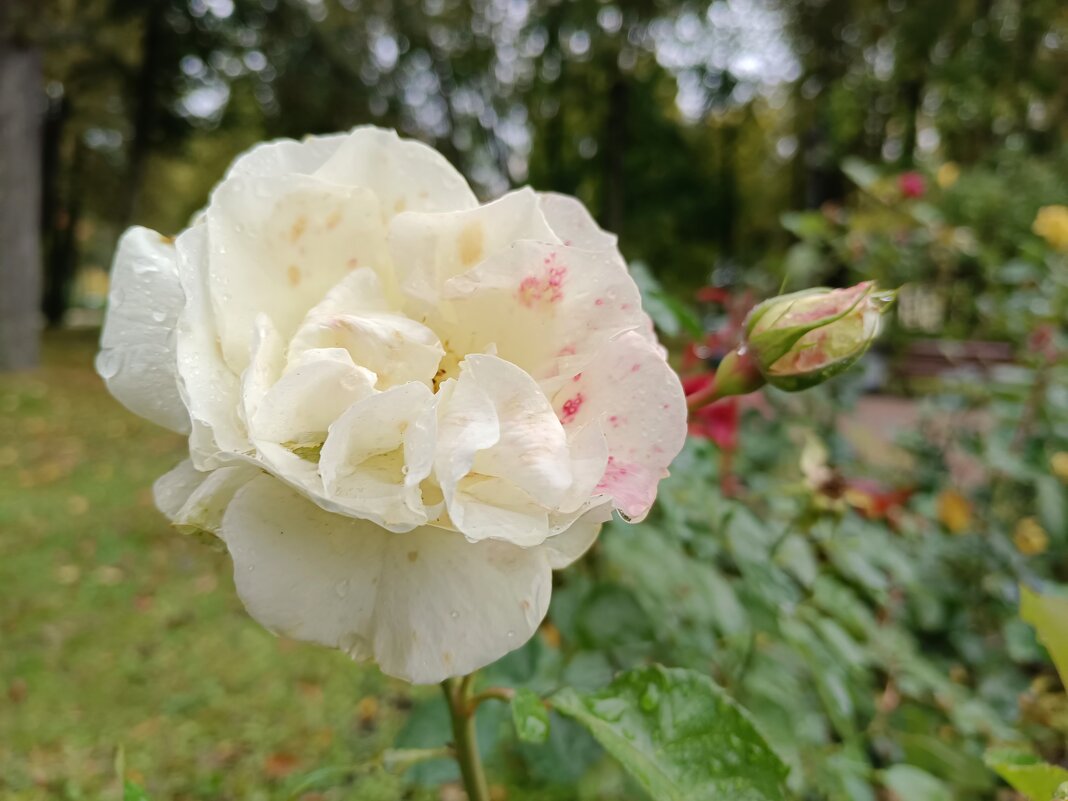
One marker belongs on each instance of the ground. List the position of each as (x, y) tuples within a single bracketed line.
[(116, 632)]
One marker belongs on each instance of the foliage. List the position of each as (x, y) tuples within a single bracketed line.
[(678, 735)]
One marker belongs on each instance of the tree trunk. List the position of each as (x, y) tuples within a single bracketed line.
[(21, 104), (56, 217), (144, 118)]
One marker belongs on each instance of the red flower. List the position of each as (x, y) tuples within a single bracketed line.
[(912, 184), (718, 422)]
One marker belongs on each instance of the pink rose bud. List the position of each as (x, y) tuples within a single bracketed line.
[(802, 339)]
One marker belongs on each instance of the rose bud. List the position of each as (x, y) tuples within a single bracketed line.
[(799, 340)]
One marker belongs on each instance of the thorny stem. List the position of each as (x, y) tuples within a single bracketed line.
[(462, 713)]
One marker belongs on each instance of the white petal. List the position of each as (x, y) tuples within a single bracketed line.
[(194, 500), (547, 308), (589, 458), (503, 459), (210, 389), (286, 157), (278, 245), (311, 395), (358, 292), (404, 174), (565, 548), (173, 488), (426, 605), (137, 358), (394, 347), (377, 454), (265, 367), (636, 398), (429, 249), (573, 223), (532, 450)]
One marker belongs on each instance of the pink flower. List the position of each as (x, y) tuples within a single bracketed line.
[(912, 184)]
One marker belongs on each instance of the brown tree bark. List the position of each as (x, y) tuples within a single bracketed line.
[(21, 106)]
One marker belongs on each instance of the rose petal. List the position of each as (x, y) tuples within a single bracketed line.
[(394, 347), (573, 223), (196, 501), (278, 245), (429, 249), (546, 308), (377, 454), (638, 401), (286, 157), (137, 358), (310, 395), (426, 605), (404, 174), (566, 548), (210, 390)]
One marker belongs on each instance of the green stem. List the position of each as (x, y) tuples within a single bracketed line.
[(465, 743)]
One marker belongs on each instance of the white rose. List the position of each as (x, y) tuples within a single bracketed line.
[(405, 409)]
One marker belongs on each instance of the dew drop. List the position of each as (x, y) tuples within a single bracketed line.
[(108, 363), (511, 634), (159, 316), (454, 614), (342, 588)]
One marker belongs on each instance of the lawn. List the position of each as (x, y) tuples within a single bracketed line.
[(116, 632)]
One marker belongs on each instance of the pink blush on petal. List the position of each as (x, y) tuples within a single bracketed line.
[(631, 485)]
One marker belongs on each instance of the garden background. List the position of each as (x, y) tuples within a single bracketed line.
[(846, 562)]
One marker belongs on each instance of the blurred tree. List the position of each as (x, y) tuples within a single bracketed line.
[(688, 127), (20, 189)]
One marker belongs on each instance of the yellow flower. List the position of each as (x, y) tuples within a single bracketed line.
[(947, 175), (1030, 538), (954, 511), (1051, 223), (1059, 463)]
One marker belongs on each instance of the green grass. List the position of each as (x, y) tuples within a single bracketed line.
[(116, 631)]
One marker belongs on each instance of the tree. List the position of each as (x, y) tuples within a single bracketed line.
[(21, 105)]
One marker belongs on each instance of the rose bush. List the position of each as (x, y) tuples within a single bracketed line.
[(404, 408)]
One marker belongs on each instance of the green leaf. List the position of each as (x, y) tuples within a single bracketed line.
[(133, 792), (912, 784), (530, 716), (1052, 504), (1049, 615), (679, 736), (860, 172), (1027, 773), (806, 224)]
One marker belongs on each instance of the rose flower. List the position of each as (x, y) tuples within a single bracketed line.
[(405, 409)]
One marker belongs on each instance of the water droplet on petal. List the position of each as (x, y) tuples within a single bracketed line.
[(108, 363), (454, 614), (342, 588)]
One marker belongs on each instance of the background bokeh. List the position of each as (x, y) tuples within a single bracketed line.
[(845, 562)]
